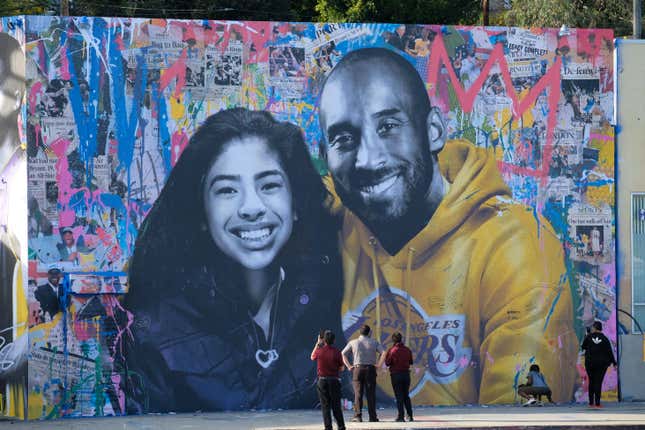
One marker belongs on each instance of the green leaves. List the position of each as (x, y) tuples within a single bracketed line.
[(616, 14), (23, 7), (399, 11)]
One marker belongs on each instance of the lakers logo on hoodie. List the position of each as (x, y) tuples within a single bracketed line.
[(437, 342)]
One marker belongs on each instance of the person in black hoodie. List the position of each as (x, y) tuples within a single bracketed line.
[(234, 266), (598, 357)]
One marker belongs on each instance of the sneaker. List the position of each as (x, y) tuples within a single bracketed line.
[(529, 402), (598, 406), (410, 419), (539, 403), (373, 420), (399, 420), (357, 420)]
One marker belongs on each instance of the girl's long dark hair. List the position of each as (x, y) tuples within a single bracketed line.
[(174, 248)]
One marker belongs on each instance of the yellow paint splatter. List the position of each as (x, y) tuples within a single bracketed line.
[(177, 107)]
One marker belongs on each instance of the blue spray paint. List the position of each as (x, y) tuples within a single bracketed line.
[(86, 114), (126, 126), (164, 134)]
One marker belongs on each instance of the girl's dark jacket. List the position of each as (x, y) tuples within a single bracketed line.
[(194, 345)]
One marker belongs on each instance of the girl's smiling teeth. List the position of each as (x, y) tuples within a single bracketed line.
[(253, 234)]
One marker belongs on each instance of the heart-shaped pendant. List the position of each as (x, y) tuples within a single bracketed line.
[(266, 358)]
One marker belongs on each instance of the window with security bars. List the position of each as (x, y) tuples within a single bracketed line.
[(638, 259)]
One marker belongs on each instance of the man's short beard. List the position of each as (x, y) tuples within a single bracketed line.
[(378, 215)]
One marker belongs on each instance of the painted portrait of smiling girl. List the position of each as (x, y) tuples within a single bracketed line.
[(234, 268)]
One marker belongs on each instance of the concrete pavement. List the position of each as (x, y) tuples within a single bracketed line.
[(613, 415)]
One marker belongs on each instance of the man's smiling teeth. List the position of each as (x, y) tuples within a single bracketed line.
[(379, 187), (258, 234)]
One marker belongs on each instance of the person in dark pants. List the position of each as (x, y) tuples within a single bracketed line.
[(399, 359), (598, 357), (365, 352), (330, 363)]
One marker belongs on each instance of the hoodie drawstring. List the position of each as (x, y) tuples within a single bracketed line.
[(407, 285), (378, 290)]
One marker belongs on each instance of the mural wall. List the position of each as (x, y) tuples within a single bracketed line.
[(454, 184), (13, 225)]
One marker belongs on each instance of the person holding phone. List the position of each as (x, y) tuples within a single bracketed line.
[(330, 363)]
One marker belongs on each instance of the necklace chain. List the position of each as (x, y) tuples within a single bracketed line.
[(266, 358)]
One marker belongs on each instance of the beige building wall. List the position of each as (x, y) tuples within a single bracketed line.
[(630, 160)]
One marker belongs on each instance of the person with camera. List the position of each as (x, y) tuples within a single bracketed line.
[(330, 364)]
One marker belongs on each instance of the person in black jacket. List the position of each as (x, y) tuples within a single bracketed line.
[(234, 266), (598, 357)]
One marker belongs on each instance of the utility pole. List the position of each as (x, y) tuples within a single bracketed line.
[(486, 10), (64, 7), (638, 14)]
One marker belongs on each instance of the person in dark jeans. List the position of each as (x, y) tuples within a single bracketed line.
[(329, 363), (399, 359), (598, 357)]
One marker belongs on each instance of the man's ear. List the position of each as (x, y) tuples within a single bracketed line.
[(436, 130)]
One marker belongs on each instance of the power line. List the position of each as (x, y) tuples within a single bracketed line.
[(96, 6), (152, 8), (102, 6)]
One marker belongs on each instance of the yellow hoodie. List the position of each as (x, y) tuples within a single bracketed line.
[(487, 286)]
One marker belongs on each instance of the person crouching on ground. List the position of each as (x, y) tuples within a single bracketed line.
[(330, 364), (535, 386), (399, 359)]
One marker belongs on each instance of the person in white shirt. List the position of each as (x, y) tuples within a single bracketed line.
[(365, 353)]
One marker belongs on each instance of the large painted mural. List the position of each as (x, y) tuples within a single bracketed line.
[(14, 343), (205, 196)]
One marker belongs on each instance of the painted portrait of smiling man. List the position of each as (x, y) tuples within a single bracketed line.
[(434, 245), (378, 144)]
